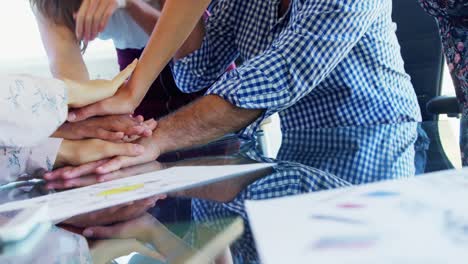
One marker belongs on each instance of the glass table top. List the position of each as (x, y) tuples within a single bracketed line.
[(209, 223)]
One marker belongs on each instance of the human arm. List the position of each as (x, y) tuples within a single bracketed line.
[(37, 104), (174, 26), (111, 128), (207, 119), (62, 48)]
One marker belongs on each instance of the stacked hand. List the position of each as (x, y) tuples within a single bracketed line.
[(83, 93), (90, 143)]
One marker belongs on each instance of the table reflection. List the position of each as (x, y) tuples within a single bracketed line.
[(343, 156)]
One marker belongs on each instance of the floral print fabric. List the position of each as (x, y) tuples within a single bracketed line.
[(452, 18)]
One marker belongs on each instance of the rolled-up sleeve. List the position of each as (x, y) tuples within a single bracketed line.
[(319, 36), (206, 65), (31, 109)]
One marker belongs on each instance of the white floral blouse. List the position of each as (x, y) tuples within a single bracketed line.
[(31, 109)]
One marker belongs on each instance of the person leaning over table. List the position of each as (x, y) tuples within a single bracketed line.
[(301, 59), (318, 63), (67, 27), (452, 18), (31, 109)]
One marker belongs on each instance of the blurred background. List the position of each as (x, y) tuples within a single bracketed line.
[(21, 49)]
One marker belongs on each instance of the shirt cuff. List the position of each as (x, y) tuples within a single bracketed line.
[(43, 156), (229, 88)]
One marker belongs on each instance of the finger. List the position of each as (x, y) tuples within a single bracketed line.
[(116, 164), (150, 127), (75, 172), (58, 185), (123, 75), (135, 130), (106, 16), (122, 149), (108, 135), (139, 118), (97, 18), (89, 20), (129, 139), (55, 174), (151, 124), (80, 19), (86, 112)]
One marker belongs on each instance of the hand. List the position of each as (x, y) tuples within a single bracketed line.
[(137, 228), (120, 213), (111, 128), (92, 18), (151, 153), (77, 152), (74, 177), (83, 93), (121, 103)]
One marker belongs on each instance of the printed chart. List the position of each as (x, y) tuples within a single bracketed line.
[(417, 220)]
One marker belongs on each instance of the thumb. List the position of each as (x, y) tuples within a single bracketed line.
[(123, 75), (86, 112)]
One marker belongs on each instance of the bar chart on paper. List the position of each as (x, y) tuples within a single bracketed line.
[(417, 220), (74, 202)]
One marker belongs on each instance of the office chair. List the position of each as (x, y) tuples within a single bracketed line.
[(421, 49)]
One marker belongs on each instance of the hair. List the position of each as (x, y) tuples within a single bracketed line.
[(59, 12)]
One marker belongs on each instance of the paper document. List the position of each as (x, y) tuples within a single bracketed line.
[(74, 202), (418, 220)]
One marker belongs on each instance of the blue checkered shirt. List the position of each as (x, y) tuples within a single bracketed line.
[(324, 64)]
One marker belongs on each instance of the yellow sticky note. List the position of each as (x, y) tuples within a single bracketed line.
[(121, 190)]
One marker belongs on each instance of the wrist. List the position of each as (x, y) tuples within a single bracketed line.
[(71, 92), (64, 154)]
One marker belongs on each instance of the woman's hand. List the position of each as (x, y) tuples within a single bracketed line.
[(103, 167), (150, 153), (75, 177), (92, 18), (123, 102), (83, 93), (136, 228), (78, 152), (111, 128)]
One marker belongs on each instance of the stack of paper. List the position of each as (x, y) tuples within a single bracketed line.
[(417, 220)]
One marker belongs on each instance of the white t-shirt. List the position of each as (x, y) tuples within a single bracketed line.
[(124, 31)]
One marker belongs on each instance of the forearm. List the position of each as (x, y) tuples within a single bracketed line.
[(174, 26), (73, 69), (205, 120), (63, 50)]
